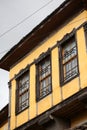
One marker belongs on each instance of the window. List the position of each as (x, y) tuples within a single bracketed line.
[(22, 92), (68, 60), (43, 77)]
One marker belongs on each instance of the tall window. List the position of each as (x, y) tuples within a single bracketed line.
[(22, 92), (43, 77), (68, 60)]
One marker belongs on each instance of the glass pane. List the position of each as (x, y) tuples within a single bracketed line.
[(67, 68), (44, 74), (44, 69), (45, 87), (73, 51), (23, 83), (74, 66), (47, 62), (48, 84), (74, 63), (24, 104), (24, 96), (43, 84), (69, 50), (47, 72), (70, 69)]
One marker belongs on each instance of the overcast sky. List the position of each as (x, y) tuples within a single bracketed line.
[(18, 18)]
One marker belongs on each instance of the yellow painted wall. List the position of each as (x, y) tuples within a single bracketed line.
[(22, 118), (4, 126), (82, 54), (58, 93), (32, 109), (13, 118), (55, 78)]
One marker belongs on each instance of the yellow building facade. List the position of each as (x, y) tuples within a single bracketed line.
[(48, 80)]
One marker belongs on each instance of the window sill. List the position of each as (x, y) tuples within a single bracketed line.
[(63, 83), (44, 96), (18, 112)]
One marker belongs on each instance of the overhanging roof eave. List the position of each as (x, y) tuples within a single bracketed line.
[(7, 61)]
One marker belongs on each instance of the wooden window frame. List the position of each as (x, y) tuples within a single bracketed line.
[(21, 74), (85, 31), (41, 58), (64, 41)]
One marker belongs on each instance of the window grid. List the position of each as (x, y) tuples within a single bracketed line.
[(69, 63), (22, 92), (44, 68)]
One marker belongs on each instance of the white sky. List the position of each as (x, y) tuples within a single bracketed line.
[(12, 12)]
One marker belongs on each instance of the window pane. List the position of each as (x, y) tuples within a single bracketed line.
[(24, 105), (69, 50), (48, 81), (48, 70), (74, 66), (24, 96), (70, 69)]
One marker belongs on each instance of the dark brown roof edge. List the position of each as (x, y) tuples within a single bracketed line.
[(67, 9), (4, 114), (36, 28), (3, 108)]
